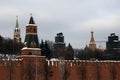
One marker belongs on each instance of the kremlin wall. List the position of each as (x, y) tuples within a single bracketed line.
[(30, 65), (27, 68)]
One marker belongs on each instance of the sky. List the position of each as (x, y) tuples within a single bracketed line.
[(74, 18)]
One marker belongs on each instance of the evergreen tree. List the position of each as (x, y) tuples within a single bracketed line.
[(9, 46), (69, 53), (45, 49), (42, 44), (42, 48), (1, 44)]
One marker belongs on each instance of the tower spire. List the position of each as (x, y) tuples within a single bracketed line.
[(17, 25), (92, 37), (92, 44), (31, 38), (31, 43), (17, 37), (31, 19), (30, 14)]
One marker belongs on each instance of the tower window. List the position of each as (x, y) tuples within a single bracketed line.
[(35, 30), (29, 53)]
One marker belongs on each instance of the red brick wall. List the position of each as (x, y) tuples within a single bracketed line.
[(21, 69), (10, 69), (84, 70), (31, 64)]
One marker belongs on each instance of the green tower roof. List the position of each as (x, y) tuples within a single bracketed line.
[(17, 25), (31, 20)]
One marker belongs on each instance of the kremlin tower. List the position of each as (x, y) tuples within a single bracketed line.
[(31, 38), (17, 37), (31, 44), (33, 62), (92, 44)]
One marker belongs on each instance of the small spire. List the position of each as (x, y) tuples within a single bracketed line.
[(17, 25), (16, 17), (92, 37), (31, 19), (30, 14), (92, 30)]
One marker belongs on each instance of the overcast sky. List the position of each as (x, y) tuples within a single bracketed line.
[(74, 18)]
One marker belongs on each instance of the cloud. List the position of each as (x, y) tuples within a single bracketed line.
[(72, 17), (99, 22)]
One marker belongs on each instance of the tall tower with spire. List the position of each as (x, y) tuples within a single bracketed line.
[(31, 44), (17, 37), (92, 44), (31, 38), (33, 62)]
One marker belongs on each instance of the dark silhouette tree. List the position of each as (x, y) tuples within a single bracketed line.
[(42, 48), (9, 46), (69, 53), (45, 49), (1, 44)]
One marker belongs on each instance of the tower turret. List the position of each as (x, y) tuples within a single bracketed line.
[(33, 62), (31, 38), (17, 37), (31, 43), (92, 44)]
